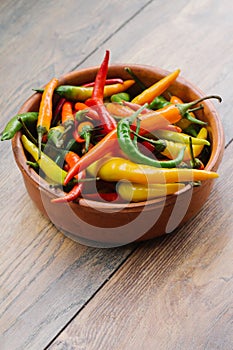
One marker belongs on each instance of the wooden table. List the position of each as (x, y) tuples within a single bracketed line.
[(172, 293)]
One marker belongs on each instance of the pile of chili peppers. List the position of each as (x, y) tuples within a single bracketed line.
[(100, 142)]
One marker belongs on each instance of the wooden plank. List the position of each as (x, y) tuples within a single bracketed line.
[(186, 35), (172, 293), (44, 277)]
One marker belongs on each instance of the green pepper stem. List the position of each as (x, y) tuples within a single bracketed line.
[(26, 130), (184, 107), (135, 77)]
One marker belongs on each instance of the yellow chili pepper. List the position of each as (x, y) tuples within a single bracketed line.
[(179, 137), (173, 148), (117, 169), (49, 167), (133, 192), (156, 89)]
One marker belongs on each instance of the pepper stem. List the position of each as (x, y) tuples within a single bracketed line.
[(133, 116), (184, 107)]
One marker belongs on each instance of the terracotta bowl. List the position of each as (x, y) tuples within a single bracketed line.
[(106, 224)]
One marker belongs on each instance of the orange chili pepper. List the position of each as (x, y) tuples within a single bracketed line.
[(156, 89), (45, 111), (79, 106), (67, 117)]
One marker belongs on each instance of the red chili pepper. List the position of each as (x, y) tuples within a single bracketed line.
[(57, 112), (97, 99), (107, 143), (72, 158), (108, 197), (107, 82)]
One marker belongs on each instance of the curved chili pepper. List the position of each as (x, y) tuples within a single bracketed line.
[(49, 167), (180, 137), (188, 117), (194, 162), (57, 111), (82, 93), (107, 121), (71, 158), (156, 89), (15, 125), (131, 150), (115, 169), (45, 111), (172, 113), (97, 151), (133, 192)]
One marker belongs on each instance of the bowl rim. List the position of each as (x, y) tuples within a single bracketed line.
[(42, 184)]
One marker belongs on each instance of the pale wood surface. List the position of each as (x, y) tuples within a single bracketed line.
[(172, 293)]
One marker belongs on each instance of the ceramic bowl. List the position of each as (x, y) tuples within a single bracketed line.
[(107, 224)]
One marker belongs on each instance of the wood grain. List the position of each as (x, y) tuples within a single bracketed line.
[(172, 293), (175, 292)]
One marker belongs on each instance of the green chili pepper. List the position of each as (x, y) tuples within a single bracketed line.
[(122, 96), (158, 102), (14, 124), (49, 167), (130, 149)]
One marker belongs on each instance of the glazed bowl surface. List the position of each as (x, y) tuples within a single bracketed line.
[(107, 224)]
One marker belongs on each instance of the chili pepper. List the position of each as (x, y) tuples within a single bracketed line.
[(158, 102), (45, 111), (107, 82), (81, 93), (116, 169), (173, 148), (108, 197), (156, 89), (131, 150), (194, 162), (192, 129), (49, 167), (97, 151), (110, 142), (57, 111), (79, 106), (107, 121), (133, 192), (135, 77), (71, 158), (118, 110), (121, 96), (172, 113), (188, 117), (15, 125), (83, 134), (135, 107), (67, 117), (55, 135), (179, 137)]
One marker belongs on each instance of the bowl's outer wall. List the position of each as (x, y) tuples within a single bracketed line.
[(88, 218)]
